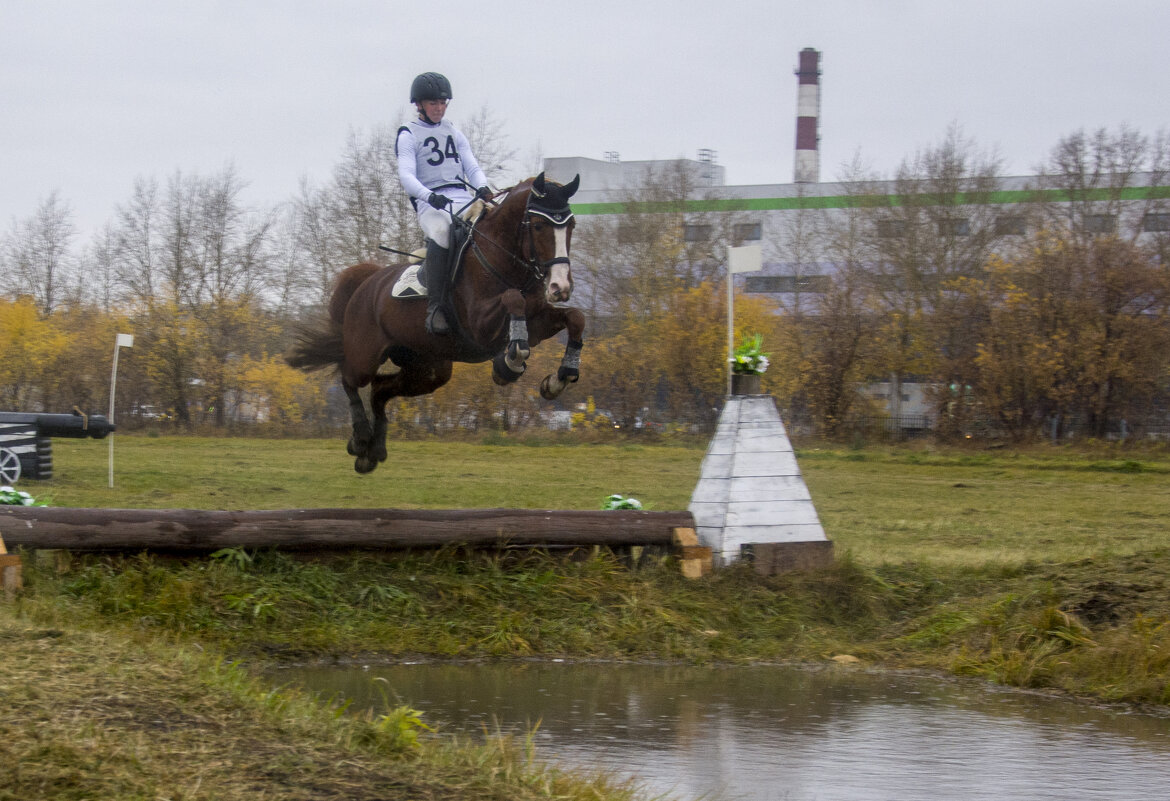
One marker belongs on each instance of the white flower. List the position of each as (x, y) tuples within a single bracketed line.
[(14, 497), (618, 502)]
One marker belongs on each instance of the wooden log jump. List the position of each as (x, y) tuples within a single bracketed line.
[(192, 530)]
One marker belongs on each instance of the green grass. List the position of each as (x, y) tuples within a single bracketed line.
[(882, 505), (963, 508), (210, 473)]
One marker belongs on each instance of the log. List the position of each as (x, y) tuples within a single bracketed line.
[(194, 530)]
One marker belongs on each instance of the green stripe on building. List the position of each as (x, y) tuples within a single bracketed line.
[(855, 201)]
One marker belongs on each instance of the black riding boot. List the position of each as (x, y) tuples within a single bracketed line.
[(435, 271)]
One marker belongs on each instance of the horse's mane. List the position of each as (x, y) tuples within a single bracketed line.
[(513, 195)]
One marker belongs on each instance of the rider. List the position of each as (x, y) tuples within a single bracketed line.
[(434, 161)]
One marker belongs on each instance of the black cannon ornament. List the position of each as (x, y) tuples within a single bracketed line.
[(26, 446)]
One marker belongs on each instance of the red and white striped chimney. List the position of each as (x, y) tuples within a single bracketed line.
[(808, 112)]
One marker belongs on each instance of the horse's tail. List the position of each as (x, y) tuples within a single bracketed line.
[(320, 345), (316, 347)]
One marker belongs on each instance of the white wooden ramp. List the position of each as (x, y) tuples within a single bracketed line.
[(750, 489)]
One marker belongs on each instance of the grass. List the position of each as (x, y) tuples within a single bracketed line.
[(956, 507), (963, 508), (1045, 569), (210, 473)]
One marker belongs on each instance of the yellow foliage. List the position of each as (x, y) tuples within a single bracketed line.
[(32, 346), (280, 391)]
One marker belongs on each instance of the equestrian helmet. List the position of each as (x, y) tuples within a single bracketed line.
[(430, 86)]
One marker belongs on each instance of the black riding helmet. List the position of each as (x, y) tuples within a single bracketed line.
[(430, 86)]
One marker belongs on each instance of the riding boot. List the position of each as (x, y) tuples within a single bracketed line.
[(436, 270)]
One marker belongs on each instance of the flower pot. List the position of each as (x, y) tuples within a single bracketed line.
[(745, 384)]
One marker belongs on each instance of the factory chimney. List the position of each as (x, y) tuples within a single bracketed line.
[(808, 112)]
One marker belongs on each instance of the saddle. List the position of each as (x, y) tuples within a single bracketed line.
[(408, 284)]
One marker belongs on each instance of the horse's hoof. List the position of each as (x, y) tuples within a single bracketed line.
[(546, 388), (379, 454), (364, 464), (351, 448), (518, 353), (502, 374)]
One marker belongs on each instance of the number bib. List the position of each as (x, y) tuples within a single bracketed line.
[(437, 160)]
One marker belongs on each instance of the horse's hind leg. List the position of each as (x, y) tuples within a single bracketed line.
[(384, 388), (363, 432)]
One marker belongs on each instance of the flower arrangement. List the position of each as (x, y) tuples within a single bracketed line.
[(618, 502), (15, 497), (747, 358)]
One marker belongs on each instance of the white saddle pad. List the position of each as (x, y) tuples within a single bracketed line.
[(407, 285)]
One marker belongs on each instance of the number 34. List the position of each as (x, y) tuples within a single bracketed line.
[(437, 156)]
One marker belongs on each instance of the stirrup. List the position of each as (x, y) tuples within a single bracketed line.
[(437, 321)]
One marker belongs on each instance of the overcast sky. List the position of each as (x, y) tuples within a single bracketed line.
[(94, 93)]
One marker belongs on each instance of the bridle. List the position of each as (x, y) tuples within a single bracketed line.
[(535, 269)]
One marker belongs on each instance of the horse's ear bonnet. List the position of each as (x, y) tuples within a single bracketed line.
[(551, 200)]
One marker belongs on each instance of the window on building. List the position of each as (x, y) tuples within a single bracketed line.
[(761, 284), (1100, 223), (697, 233), (1010, 225), (891, 229), (1156, 223), (954, 226), (748, 232)]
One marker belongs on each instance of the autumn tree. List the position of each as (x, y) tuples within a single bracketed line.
[(1078, 330), (32, 344)]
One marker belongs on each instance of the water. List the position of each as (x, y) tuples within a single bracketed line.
[(773, 734)]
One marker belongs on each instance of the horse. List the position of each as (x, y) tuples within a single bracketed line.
[(511, 280)]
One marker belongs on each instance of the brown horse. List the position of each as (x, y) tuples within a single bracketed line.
[(511, 270)]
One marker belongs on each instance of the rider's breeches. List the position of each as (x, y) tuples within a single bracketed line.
[(436, 224)]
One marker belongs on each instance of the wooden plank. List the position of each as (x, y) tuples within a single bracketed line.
[(695, 560), (11, 578), (773, 558), (189, 530)]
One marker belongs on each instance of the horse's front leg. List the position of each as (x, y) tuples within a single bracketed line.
[(570, 370), (509, 365)]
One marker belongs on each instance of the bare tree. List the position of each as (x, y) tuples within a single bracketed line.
[(1087, 184), (36, 252), (137, 243), (361, 207), (489, 143), (99, 264)]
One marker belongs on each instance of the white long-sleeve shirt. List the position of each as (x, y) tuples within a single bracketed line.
[(432, 158)]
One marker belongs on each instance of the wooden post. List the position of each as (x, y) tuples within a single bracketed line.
[(11, 579), (694, 559)]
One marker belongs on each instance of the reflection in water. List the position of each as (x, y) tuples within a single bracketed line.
[(781, 733)]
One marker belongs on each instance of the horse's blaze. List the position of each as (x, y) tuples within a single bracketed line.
[(560, 277)]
